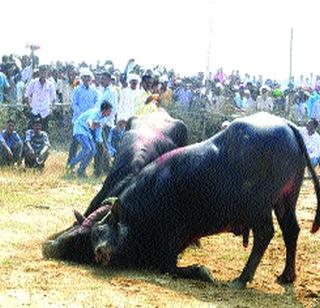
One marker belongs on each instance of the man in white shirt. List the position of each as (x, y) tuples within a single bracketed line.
[(42, 96), (264, 101), (128, 98), (312, 141)]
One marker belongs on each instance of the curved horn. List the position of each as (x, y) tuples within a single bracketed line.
[(79, 217)]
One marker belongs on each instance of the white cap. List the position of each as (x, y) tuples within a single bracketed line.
[(225, 124), (164, 78), (84, 71), (133, 77)]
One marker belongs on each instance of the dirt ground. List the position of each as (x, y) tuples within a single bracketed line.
[(33, 206)]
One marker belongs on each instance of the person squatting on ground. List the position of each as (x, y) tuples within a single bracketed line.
[(86, 130), (37, 146), (10, 145)]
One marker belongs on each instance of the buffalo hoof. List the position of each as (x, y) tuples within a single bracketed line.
[(205, 275), (237, 284), (286, 278)]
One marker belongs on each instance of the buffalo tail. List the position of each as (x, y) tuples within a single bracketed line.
[(315, 180)]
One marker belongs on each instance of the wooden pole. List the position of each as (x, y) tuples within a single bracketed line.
[(291, 43)]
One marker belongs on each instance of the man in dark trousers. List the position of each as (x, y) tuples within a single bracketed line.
[(10, 145), (37, 146)]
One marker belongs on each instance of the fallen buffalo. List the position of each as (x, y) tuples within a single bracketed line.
[(147, 138), (228, 183)]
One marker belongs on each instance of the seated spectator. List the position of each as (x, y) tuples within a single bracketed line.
[(86, 130), (10, 145), (312, 141), (37, 145), (115, 136)]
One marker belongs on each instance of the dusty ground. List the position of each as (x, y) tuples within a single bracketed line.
[(33, 206)]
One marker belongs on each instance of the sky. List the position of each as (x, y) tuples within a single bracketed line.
[(247, 35)]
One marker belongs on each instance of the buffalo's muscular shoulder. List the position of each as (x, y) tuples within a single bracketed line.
[(230, 182), (147, 138)]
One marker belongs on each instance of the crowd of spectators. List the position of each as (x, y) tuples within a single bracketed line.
[(83, 88)]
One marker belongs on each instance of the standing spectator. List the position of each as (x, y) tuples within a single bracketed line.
[(10, 145), (313, 99), (250, 104), (215, 98), (101, 161), (26, 69), (183, 94), (115, 136), (128, 98), (37, 146), (165, 92), (312, 141), (84, 97), (42, 96), (300, 105), (87, 127), (239, 99), (66, 83), (314, 103), (264, 101), (4, 84), (109, 94), (220, 76), (145, 96)]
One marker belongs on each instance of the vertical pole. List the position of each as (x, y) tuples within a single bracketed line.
[(209, 53), (290, 97), (291, 42)]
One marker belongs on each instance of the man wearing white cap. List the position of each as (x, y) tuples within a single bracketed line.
[(127, 98), (83, 98), (264, 101)]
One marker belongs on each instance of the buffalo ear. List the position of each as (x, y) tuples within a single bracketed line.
[(116, 211), (79, 217)]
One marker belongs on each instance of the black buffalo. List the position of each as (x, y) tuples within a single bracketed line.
[(147, 138), (228, 183)]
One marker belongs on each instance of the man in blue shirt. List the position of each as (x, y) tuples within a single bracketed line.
[(83, 98), (86, 130), (115, 136), (101, 163), (10, 145), (4, 84), (37, 145)]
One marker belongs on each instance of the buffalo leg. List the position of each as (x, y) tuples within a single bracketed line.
[(193, 272), (169, 265), (290, 232), (262, 235)]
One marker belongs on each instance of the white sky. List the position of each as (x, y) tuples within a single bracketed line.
[(249, 35)]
